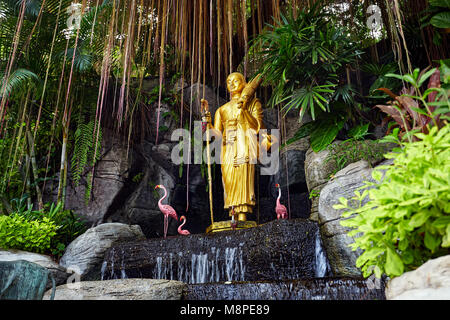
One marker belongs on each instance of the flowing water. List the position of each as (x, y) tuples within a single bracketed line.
[(303, 289), (278, 260)]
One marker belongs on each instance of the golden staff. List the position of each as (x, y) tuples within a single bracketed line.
[(205, 109)]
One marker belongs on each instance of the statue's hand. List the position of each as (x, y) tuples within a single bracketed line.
[(242, 103), (204, 105), (206, 117)]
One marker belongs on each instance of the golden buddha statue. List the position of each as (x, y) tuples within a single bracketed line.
[(239, 122)]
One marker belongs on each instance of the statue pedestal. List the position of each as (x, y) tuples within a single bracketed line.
[(226, 225)]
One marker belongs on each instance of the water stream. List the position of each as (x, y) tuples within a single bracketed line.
[(277, 260)]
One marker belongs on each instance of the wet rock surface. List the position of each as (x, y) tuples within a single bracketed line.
[(22, 280), (85, 254), (304, 289), (282, 249), (59, 273), (336, 241), (120, 289)]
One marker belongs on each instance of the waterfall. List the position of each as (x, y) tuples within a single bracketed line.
[(104, 265), (322, 266), (214, 266)]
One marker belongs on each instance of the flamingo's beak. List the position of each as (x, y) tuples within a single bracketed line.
[(277, 185), (157, 186)]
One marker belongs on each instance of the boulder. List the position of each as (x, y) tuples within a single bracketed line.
[(431, 281), (59, 273), (318, 169), (109, 178), (22, 280), (120, 289), (168, 122), (345, 182), (85, 254), (270, 118), (139, 206), (319, 166)]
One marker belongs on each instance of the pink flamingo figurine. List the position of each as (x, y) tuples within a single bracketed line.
[(280, 209), (167, 210), (183, 232), (233, 220)]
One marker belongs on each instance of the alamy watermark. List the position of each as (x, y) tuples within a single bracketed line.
[(74, 12), (374, 21)]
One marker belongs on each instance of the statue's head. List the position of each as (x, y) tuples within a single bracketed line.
[(236, 82)]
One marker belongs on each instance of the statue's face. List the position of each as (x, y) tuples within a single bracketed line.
[(235, 83)]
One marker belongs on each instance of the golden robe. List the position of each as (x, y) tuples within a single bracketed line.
[(239, 152)]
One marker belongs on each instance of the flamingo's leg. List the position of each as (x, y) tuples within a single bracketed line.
[(165, 226)]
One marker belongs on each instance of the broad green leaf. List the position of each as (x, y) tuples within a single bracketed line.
[(432, 241), (425, 76), (324, 134), (394, 264), (419, 218), (441, 20), (440, 3), (441, 222), (359, 132), (446, 238), (302, 132), (377, 175)]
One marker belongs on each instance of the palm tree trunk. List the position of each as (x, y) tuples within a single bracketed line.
[(32, 156), (62, 172)]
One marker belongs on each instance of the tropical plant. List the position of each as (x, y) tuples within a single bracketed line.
[(382, 81), (413, 110), (303, 58), (84, 154), (438, 14), (16, 232), (403, 219), (61, 226)]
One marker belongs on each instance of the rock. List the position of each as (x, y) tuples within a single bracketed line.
[(120, 289), (270, 118), (431, 281), (345, 182), (85, 254), (291, 171), (317, 173), (319, 166), (59, 273), (109, 179), (140, 205), (318, 169), (168, 122), (22, 280), (280, 249)]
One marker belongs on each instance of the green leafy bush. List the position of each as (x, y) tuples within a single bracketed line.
[(406, 220), (303, 59), (17, 232), (67, 228)]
